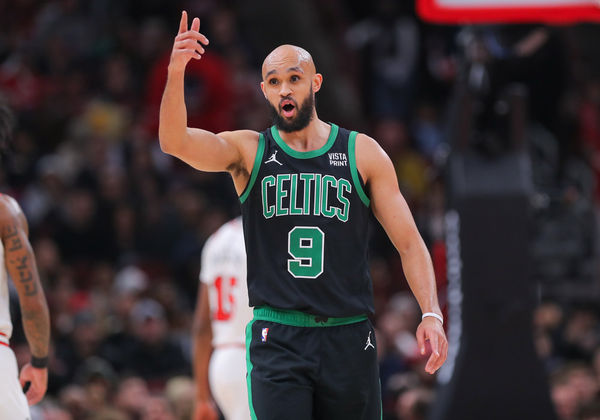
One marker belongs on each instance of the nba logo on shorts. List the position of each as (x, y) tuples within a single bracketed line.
[(265, 331)]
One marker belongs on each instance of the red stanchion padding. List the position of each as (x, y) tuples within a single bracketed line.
[(556, 12)]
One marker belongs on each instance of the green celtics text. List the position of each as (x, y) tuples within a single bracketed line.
[(305, 194)]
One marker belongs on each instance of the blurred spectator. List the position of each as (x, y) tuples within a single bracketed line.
[(428, 133), (411, 168), (572, 387), (131, 396), (78, 234), (589, 127), (590, 411), (596, 363), (49, 410), (391, 40), (108, 414), (248, 108), (413, 404), (83, 342), (397, 345), (157, 408), (180, 393), (98, 379), (74, 399), (154, 356), (580, 335), (43, 197), (208, 93)]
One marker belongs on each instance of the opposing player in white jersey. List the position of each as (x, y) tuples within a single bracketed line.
[(222, 313), (18, 262)]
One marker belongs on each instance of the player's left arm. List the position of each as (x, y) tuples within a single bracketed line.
[(204, 407), (393, 213), (21, 265)]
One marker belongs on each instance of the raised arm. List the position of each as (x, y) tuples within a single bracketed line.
[(199, 148), (393, 213), (20, 264)]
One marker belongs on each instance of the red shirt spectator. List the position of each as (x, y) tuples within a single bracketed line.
[(207, 90)]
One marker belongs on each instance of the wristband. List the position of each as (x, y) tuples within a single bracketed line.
[(433, 315), (39, 362)]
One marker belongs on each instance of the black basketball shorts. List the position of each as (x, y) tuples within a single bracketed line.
[(304, 367)]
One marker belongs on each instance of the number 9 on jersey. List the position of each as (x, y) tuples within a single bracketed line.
[(306, 245)]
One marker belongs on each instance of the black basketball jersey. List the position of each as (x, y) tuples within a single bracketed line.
[(305, 217)]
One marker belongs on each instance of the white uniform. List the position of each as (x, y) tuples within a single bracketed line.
[(224, 273), (13, 404)]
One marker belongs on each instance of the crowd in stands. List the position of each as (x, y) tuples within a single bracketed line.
[(118, 227)]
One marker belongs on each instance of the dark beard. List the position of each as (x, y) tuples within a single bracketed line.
[(303, 118)]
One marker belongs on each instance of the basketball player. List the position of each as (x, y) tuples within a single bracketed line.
[(18, 262), (306, 189), (222, 313)]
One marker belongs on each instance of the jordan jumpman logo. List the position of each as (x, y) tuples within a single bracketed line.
[(369, 341), (273, 158)]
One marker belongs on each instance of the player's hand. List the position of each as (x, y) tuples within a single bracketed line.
[(188, 43), (431, 330), (38, 379), (205, 410)]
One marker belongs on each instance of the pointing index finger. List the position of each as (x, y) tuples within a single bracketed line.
[(183, 22)]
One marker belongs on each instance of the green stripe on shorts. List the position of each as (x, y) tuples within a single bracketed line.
[(301, 319), (249, 368)]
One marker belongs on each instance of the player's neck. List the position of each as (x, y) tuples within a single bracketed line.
[(312, 137)]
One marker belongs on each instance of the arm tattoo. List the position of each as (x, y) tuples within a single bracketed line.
[(34, 310), (25, 276), (11, 237)]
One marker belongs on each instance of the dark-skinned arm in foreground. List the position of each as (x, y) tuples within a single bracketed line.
[(21, 266)]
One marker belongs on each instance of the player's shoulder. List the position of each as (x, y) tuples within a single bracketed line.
[(241, 137), (370, 156), (9, 207), (10, 212), (245, 141), (369, 149), (365, 140)]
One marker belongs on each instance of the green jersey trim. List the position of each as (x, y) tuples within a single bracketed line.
[(260, 150), (302, 319), (311, 153), (354, 171), (249, 367)]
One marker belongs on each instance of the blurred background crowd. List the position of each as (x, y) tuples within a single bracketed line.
[(118, 227)]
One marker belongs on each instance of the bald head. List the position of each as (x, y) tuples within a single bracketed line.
[(288, 57)]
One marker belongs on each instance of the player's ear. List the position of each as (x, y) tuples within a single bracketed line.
[(262, 87), (317, 82)]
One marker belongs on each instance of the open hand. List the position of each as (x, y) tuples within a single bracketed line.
[(431, 330), (188, 43)]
